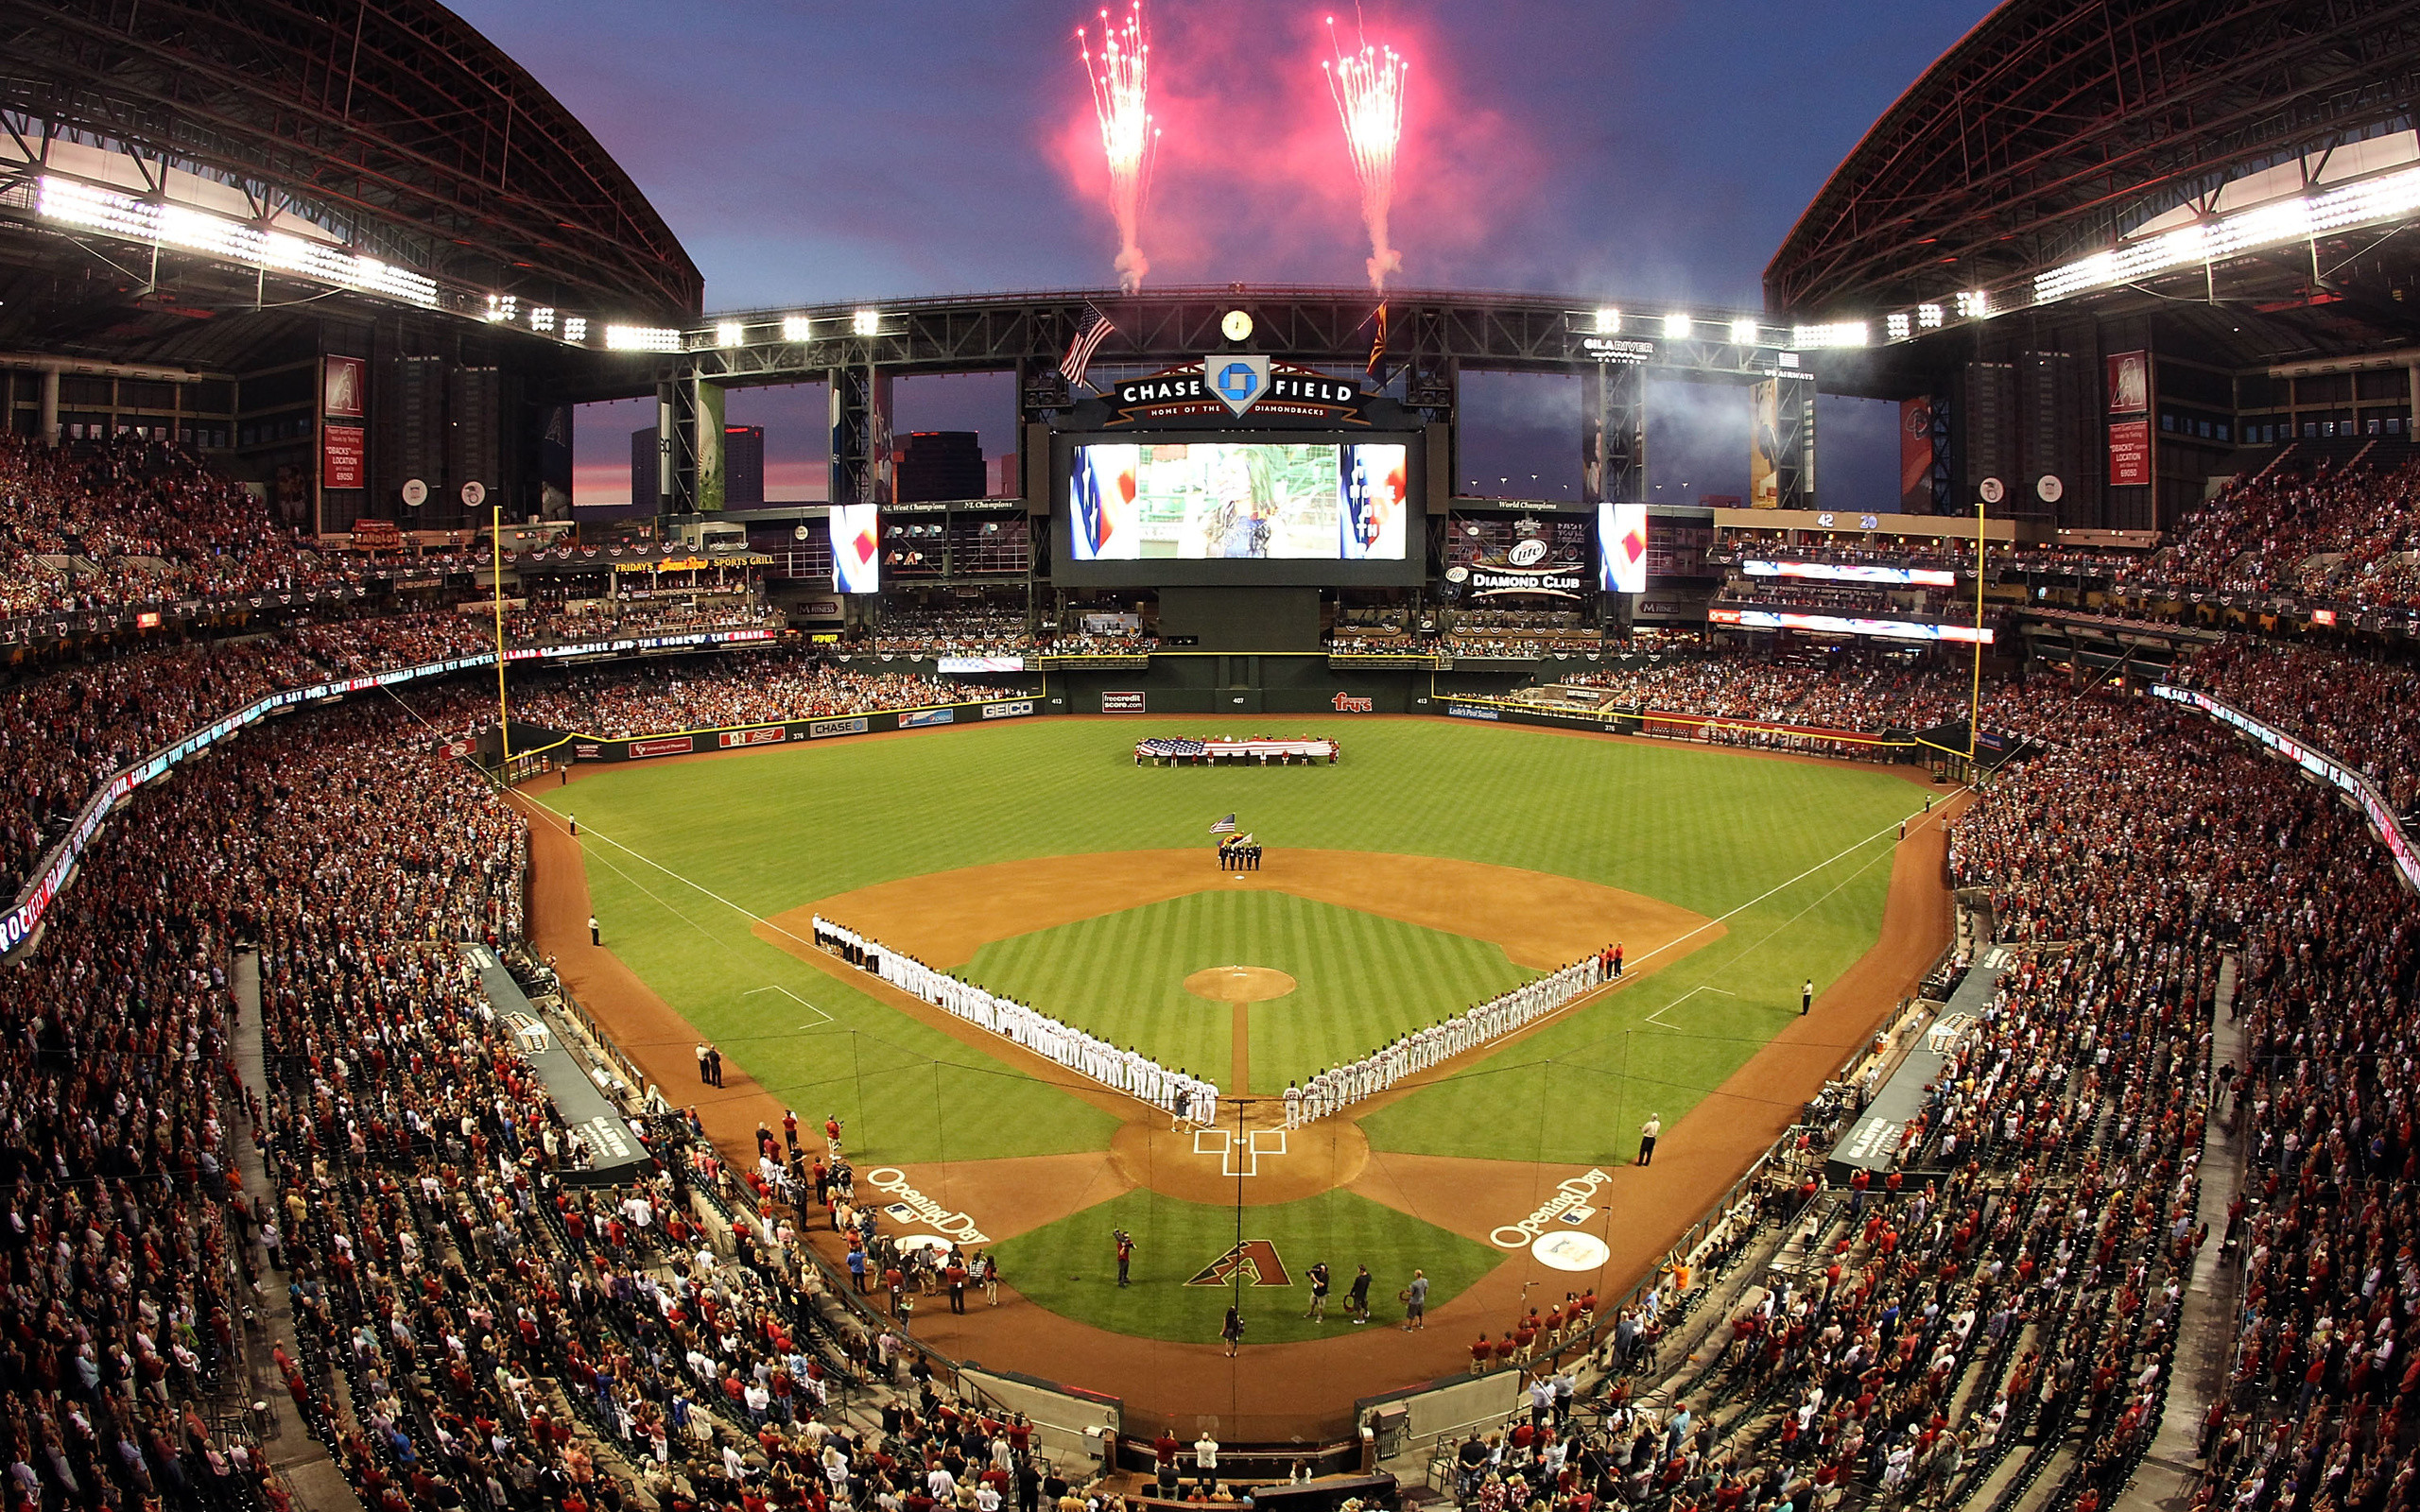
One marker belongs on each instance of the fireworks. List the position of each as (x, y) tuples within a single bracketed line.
[(1368, 86), (1120, 77)]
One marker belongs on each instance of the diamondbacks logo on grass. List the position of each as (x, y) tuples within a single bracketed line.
[(1254, 1260), (1344, 703)]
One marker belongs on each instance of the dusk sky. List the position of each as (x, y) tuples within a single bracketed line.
[(1636, 150)]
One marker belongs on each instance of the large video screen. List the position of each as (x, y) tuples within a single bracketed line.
[(1233, 501), (1621, 548), (1229, 508)]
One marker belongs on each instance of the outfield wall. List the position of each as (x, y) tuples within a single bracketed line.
[(565, 745)]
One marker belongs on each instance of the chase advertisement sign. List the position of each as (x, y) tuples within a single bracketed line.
[(1234, 386)]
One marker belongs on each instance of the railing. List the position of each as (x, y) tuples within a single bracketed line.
[(2318, 760)]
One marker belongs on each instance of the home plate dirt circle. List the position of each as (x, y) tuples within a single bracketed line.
[(1239, 984)]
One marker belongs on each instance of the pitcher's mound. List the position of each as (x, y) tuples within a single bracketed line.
[(1239, 984)]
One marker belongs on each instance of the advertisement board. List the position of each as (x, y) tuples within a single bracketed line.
[(1764, 444), (2130, 453), (1122, 703), (344, 456), (1759, 619), (1851, 572)]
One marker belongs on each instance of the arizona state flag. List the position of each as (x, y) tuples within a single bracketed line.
[(1378, 346)]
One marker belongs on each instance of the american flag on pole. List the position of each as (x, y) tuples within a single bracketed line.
[(1079, 351), (1225, 826)]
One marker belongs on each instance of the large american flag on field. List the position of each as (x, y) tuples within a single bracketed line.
[(1095, 329), (1225, 826)]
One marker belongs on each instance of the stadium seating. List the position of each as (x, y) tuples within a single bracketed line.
[(479, 1325), (735, 689), (2333, 531), (134, 521)]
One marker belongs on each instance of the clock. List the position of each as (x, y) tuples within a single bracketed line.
[(1237, 326)]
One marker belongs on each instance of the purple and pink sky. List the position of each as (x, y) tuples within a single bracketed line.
[(1636, 150)]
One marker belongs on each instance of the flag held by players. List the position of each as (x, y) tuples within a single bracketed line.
[(1225, 826)]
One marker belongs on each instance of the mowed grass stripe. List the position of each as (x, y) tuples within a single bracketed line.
[(1361, 979)]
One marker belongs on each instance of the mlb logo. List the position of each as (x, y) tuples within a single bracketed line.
[(1239, 382)]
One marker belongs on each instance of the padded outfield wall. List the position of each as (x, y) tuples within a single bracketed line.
[(1175, 685)]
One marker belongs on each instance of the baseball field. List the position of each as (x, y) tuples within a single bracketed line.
[(1436, 864)]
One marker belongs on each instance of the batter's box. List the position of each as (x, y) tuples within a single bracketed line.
[(1240, 1161)]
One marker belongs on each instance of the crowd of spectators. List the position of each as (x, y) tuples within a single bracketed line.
[(2148, 842), (975, 630), (478, 1323), (63, 733), (555, 622), (2010, 1312), (2334, 532), (1852, 690), (2359, 709), (1828, 598), (952, 631), (343, 847), (739, 688), (135, 521)]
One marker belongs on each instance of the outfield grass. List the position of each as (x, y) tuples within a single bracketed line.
[(1071, 1266), (1708, 829), (1360, 980)]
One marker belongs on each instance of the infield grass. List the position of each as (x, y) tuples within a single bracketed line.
[(1793, 856), (1071, 1266), (1360, 980)]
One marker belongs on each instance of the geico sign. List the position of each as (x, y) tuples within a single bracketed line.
[(957, 1226), (1569, 1194)]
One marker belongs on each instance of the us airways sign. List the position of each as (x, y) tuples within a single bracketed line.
[(1233, 386)]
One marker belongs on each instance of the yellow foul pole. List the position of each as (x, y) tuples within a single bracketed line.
[(1975, 703), (503, 714)]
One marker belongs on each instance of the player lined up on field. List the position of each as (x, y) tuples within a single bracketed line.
[(1183, 1095), (1339, 1086)]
